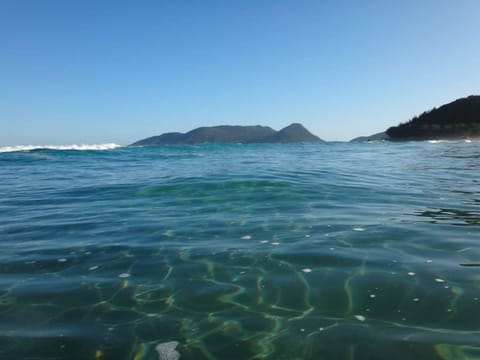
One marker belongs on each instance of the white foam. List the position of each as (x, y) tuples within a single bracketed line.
[(452, 141), (360, 317), (108, 146), (166, 351)]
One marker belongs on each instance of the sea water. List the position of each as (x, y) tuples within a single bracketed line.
[(301, 251)]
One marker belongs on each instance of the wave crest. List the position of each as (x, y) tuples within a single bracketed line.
[(108, 146)]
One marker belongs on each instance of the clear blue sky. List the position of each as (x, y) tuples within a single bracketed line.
[(118, 71)]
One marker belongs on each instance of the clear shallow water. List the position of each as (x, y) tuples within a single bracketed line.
[(309, 251)]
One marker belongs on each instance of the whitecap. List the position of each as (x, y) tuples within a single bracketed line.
[(15, 148), (246, 237)]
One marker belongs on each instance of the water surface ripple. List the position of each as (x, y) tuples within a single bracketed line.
[(305, 251)]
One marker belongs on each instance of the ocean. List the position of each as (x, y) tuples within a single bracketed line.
[(268, 251)]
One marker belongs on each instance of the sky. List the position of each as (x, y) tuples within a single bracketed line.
[(87, 72)]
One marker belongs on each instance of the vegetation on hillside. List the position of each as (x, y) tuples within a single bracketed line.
[(459, 119), (232, 134)]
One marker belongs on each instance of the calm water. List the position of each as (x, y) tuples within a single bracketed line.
[(310, 251)]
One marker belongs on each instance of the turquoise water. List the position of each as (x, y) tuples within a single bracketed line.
[(306, 251)]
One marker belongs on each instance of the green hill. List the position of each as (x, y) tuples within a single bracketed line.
[(459, 119), (227, 134)]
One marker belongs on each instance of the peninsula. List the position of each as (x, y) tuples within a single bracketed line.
[(459, 119), (227, 134)]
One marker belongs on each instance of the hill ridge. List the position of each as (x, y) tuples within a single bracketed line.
[(458, 119), (246, 134)]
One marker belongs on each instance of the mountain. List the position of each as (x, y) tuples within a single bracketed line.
[(459, 119), (290, 134), (375, 137), (227, 134)]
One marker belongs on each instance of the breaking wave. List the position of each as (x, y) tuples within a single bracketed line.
[(108, 146), (451, 141)]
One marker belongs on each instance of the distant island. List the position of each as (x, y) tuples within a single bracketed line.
[(227, 134), (459, 119)]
